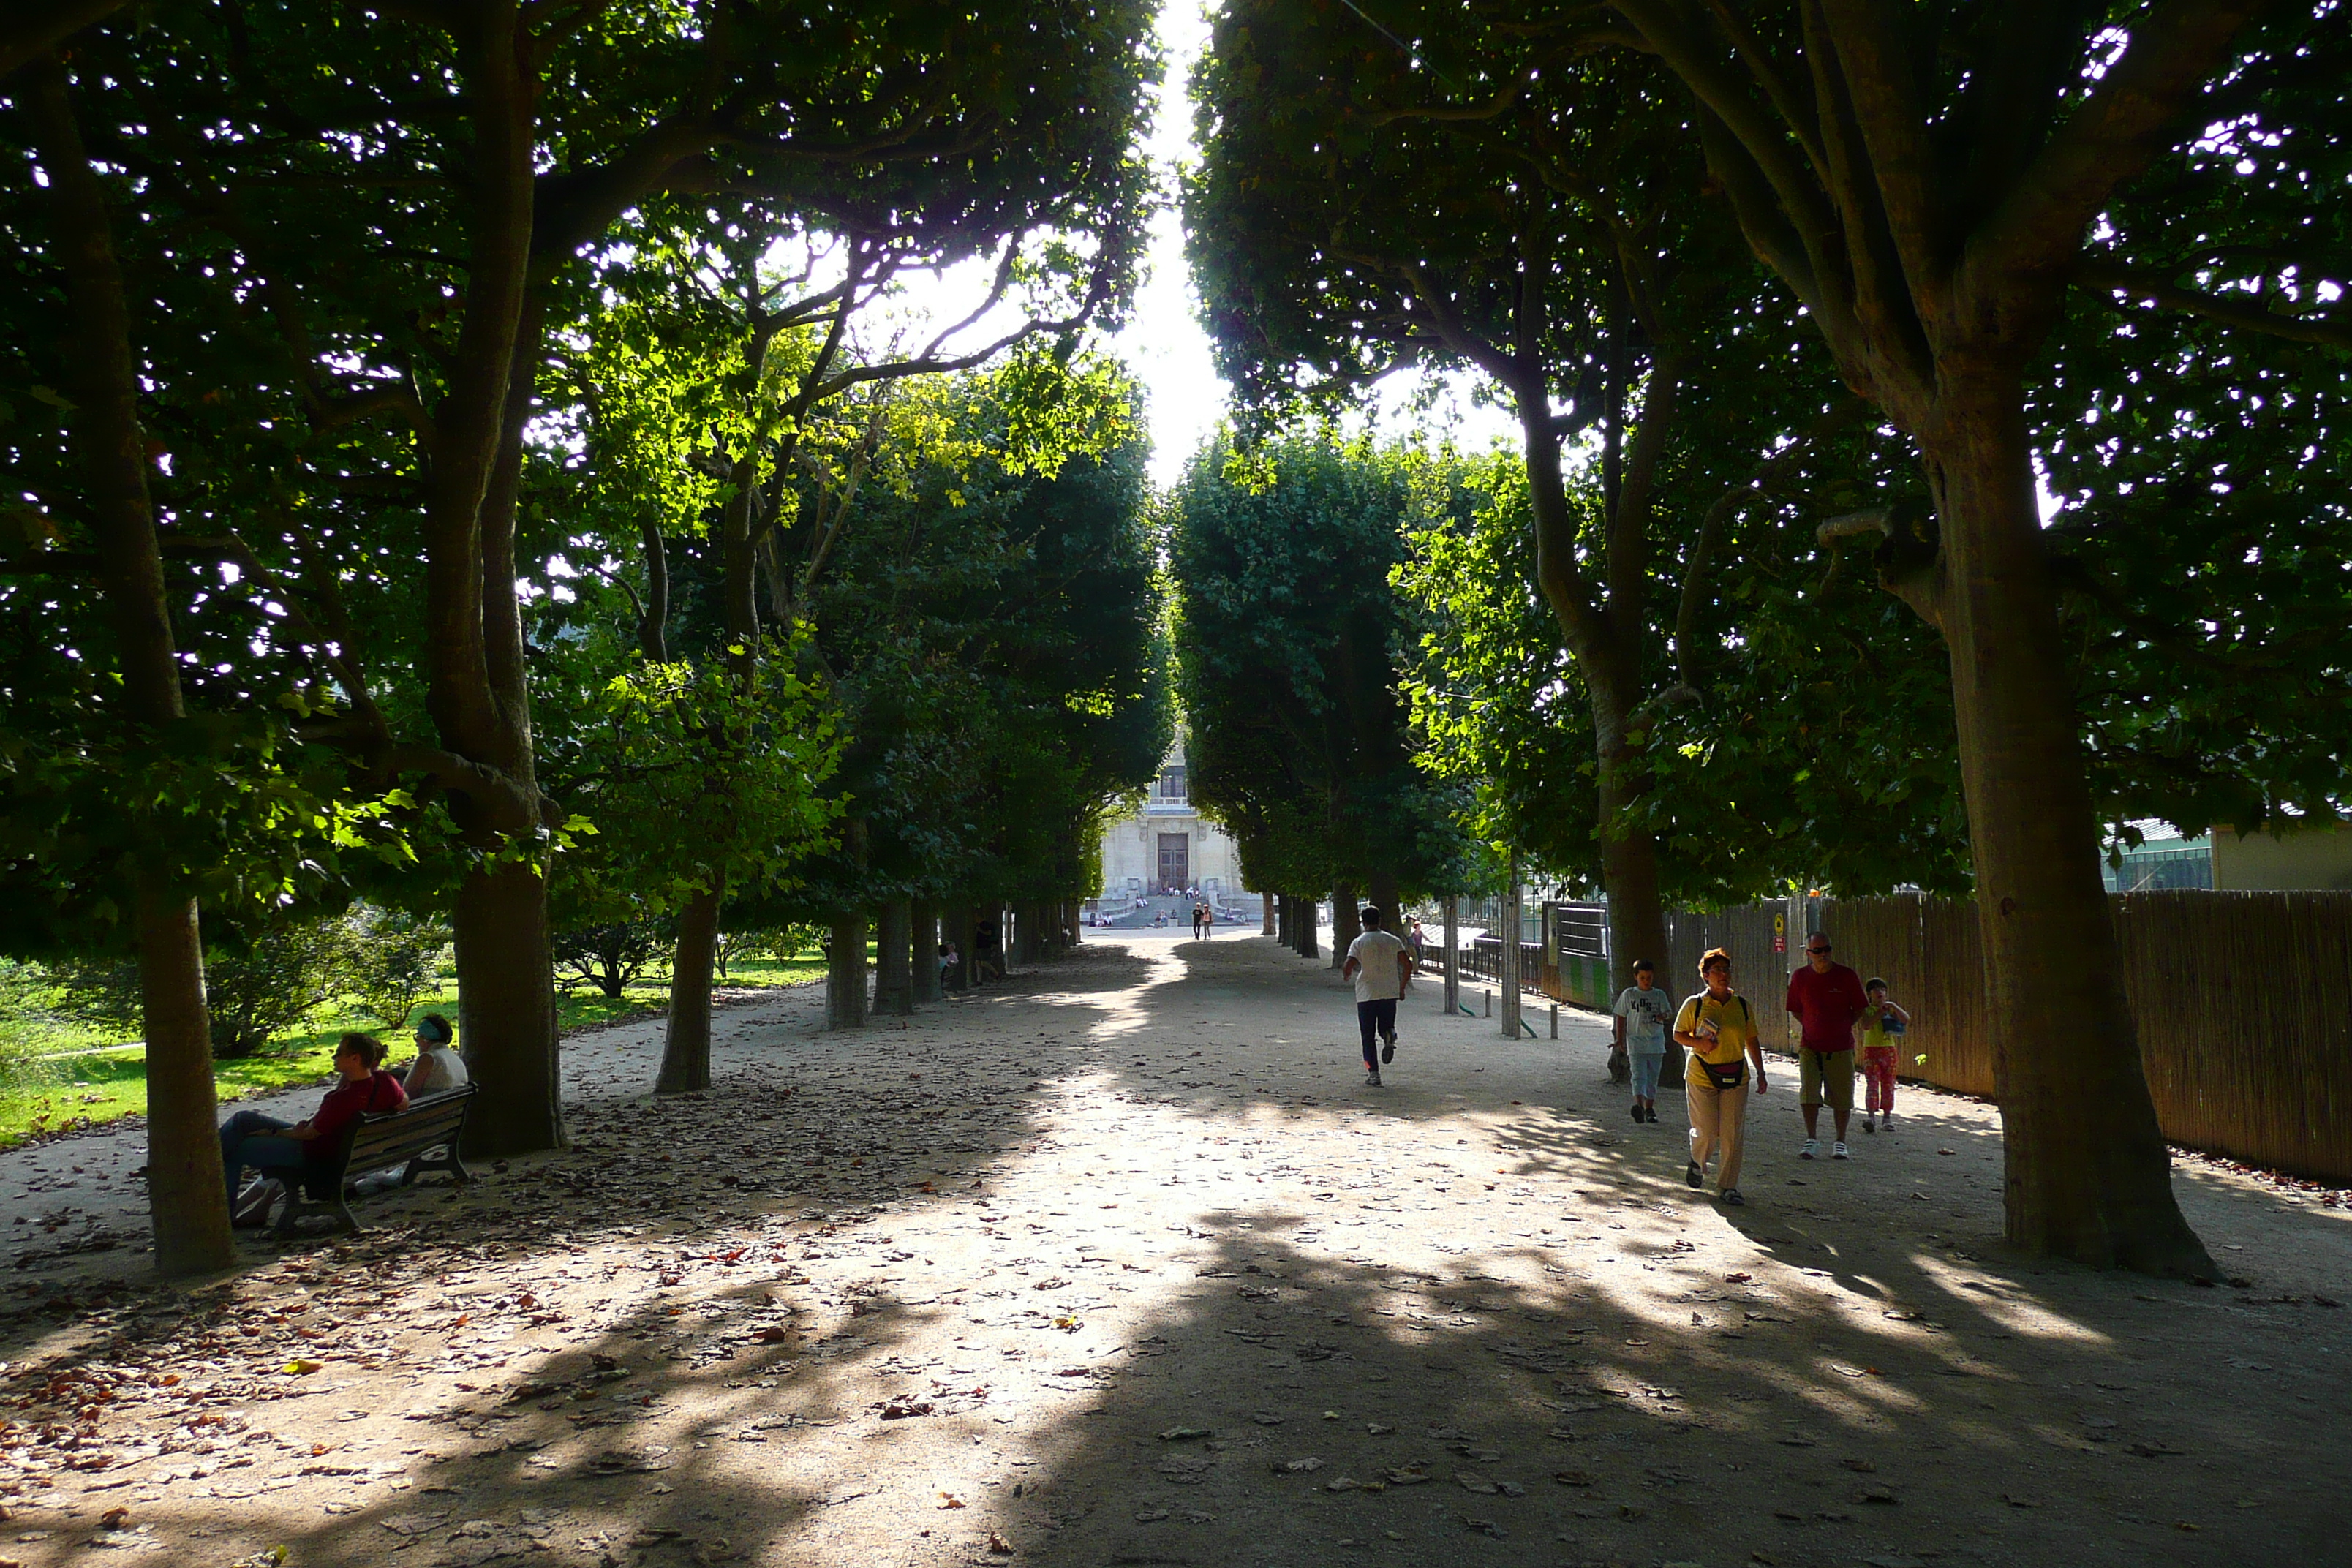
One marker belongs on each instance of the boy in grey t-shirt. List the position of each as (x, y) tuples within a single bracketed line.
[(1644, 1012)]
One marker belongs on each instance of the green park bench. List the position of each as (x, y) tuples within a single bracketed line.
[(406, 1138)]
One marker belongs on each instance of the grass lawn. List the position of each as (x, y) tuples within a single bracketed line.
[(84, 1075)]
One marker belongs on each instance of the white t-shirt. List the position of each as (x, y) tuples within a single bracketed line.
[(1377, 979), (1647, 1015), (438, 1069)]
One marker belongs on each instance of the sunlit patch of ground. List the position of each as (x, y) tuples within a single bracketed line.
[(1121, 1263)]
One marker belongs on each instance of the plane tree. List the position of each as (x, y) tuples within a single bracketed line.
[(1542, 232), (402, 208), (1286, 641)]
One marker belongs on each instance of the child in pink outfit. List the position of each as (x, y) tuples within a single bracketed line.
[(1882, 1023)]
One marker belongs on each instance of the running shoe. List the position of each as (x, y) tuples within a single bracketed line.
[(1388, 1048), (1372, 1079), (1812, 1147), (1693, 1175), (1837, 1152), (1731, 1196)]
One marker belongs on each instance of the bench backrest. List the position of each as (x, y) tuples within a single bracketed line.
[(390, 1137)]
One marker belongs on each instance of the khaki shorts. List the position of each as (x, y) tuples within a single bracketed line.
[(1825, 1077)]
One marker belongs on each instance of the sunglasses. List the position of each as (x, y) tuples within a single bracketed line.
[(1817, 952)]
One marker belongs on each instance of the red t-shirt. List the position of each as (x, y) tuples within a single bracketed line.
[(1827, 1005), (347, 1103)]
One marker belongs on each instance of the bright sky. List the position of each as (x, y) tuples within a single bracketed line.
[(1164, 345)]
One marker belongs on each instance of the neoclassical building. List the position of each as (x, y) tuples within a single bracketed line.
[(1169, 845)]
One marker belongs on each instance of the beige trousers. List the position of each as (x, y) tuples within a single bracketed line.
[(1719, 1118)]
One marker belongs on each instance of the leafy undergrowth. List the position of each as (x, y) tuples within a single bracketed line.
[(81, 1077)]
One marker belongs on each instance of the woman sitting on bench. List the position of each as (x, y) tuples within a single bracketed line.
[(278, 1150), (438, 1068)]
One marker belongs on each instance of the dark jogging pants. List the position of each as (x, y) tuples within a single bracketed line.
[(1375, 1019)]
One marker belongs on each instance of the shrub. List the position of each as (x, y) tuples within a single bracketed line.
[(780, 942), (260, 982), (29, 1026), (609, 957), (393, 960)]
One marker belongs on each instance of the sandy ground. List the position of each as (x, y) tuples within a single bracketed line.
[(1121, 1264)]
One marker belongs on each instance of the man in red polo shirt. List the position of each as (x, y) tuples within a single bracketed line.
[(1827, 998)]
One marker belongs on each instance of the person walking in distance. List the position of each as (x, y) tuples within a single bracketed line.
[(1717, 1028), (1381, 967), (1643, 1014), (1882, 1025), (1828, 1001)]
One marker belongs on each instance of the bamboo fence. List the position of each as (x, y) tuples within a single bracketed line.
[(2241, 1000)]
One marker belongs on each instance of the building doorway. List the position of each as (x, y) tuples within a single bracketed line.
[(1175, 860)]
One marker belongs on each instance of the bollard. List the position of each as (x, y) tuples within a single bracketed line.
[(1490, 1002), (1555, 1020)]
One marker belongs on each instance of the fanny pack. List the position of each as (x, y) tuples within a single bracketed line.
[(1723, 1075)]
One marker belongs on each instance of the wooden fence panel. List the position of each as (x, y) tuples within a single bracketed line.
[(2243, 1032)]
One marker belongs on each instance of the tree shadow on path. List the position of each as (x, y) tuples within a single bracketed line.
[(1070, 1266)]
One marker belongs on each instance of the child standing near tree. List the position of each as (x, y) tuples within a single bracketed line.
[(1884, 1025), (1643, 1011)]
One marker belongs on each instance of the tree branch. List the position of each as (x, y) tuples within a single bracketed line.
[(35, 26), (2133, 284), (2038, 227), (1909, 555), (1880, 91)]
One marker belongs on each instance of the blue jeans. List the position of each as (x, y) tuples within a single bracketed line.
[(247, 1139), (1646, 1066)]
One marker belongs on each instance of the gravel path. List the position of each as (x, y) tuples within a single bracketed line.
[(1121, 1264)]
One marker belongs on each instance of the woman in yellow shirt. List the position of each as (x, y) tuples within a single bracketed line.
[(1717, 1028)]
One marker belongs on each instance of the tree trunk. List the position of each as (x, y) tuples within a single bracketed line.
[(1509, 986), (506, 978), (1452, 958), (894, 981), (1629, 857), (1345, 926), (1382, 895), (925, 942), (845, 973), (1306, 928), (2087, 1174), (1268, 918), (653, 625), (186, 1200), (686, 1044), (187, 1197), (478, 690)]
